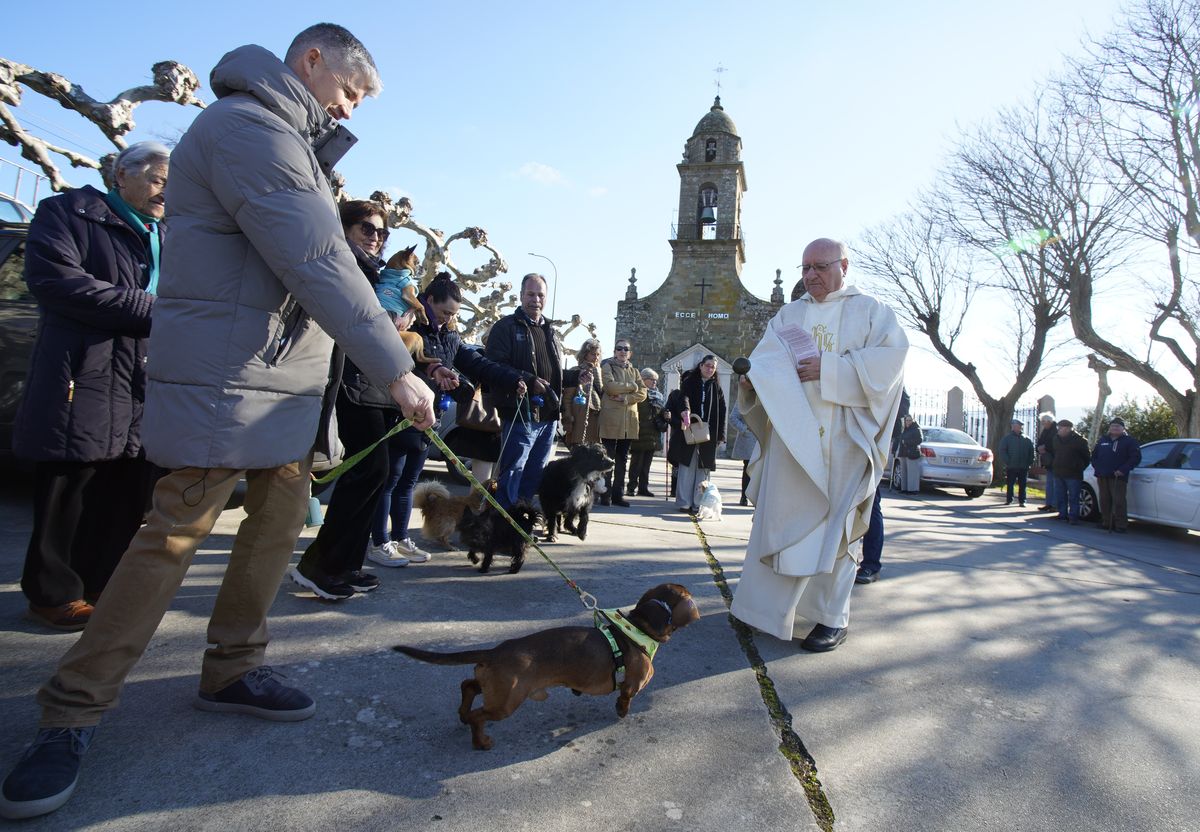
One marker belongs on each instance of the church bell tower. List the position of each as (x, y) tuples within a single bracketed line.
[(702, 306)]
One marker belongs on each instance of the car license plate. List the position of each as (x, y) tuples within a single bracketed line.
[(958, 460)]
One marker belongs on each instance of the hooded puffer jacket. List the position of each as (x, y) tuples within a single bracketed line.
[(255, 272)]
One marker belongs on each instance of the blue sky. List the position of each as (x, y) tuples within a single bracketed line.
[(557, 126)]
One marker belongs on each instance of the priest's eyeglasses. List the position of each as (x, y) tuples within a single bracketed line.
[(820, 267)]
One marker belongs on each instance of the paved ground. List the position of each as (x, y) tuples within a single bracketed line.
[(1008, 672)]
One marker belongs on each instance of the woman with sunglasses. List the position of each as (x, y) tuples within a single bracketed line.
[(332, 565)]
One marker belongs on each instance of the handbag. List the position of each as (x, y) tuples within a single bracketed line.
[(478, 414), (696, 433)]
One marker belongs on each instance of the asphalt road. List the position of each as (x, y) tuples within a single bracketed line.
[(1007, 672)]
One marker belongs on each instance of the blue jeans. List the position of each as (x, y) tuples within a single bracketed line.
[(872, 545), (1051, 497), (527, 448), (406, 457), (1067, 492)]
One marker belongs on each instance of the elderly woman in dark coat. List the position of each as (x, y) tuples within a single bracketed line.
[(698, 399), (92, 264)]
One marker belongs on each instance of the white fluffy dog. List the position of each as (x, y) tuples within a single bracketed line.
[(710, 501)]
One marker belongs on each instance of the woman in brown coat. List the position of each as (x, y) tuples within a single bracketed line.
[(581, 420), (623, 389)]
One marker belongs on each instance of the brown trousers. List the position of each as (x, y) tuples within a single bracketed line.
[(1113, 505), (187, 503)]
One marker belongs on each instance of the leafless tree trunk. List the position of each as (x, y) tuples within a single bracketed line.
[(1103, 391)]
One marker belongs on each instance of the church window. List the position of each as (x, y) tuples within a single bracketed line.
[(708, 212), (710, 150)]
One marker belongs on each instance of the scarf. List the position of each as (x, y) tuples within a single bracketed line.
[(146, 228)]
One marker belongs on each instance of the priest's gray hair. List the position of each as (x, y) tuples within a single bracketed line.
[(140, 157), (341, 51)]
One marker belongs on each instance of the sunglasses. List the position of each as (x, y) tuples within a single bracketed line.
[(371, 230), (622, 349)]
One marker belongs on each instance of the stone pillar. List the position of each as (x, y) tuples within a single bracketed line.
[(954, 409), (1046, 405)]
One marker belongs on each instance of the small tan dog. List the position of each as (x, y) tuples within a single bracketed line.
[(579, 658), (442, 510)]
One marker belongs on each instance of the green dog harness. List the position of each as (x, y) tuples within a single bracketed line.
[(615, 618)]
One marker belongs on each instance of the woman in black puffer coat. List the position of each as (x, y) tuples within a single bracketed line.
[(90, 261), (407, 450), (699, 398)]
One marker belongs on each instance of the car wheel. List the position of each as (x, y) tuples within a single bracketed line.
[(974, 492), (895, 483), (1088, 509)]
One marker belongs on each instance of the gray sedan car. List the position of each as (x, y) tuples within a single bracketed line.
[(951, 458)]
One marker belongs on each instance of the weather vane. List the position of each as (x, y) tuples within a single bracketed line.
[(718, 72)]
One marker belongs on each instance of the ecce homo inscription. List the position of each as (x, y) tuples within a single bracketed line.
[(710, 315)]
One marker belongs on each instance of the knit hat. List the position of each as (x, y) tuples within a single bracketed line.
[(1066, 423), (649, 373)]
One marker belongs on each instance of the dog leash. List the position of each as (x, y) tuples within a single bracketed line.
[(586, 598)]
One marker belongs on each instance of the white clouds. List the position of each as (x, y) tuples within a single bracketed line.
[(542, 174)]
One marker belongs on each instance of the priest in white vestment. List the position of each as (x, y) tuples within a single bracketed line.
[(821, 396)]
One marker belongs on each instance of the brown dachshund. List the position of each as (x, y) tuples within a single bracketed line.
[(579, 658)]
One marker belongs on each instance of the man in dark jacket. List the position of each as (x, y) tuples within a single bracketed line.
[(526, 341), (1045, 449), (256, 272), (92, 262), (1115, 455), (1016, 453), (1070, 458)]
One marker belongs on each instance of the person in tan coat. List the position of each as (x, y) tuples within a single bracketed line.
[(581, 420), (623, 389)]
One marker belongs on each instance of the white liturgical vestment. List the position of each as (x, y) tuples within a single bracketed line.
[(822, 449)]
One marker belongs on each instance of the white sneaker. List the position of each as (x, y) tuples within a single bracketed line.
[(409, 550), (386, 555)]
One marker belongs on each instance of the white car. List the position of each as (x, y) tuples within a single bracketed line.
[(950, 457), (1164, 488)]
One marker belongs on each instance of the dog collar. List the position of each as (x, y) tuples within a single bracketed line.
[(644, 642)]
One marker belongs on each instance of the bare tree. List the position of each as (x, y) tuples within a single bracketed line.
[(988, 235), (1138, 91), (173, 82)]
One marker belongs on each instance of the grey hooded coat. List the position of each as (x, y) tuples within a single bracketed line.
[(255, 272)]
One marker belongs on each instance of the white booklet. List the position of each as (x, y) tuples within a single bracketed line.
[(799, 342)]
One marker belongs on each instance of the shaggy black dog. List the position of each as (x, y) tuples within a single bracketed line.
[(567, 488), (488, 533)]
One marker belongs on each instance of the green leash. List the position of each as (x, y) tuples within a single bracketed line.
[(604, 619), (586, 598)]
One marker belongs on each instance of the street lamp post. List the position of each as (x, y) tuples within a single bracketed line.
[(554, 299)]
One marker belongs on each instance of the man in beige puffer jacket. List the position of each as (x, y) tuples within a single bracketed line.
[(623, 389)]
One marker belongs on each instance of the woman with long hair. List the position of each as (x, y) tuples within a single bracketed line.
[(698, 399)]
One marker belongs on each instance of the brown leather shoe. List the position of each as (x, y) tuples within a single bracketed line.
[(69, 618)]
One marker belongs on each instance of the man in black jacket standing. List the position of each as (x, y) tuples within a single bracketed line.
[(525, 340), (1045, 449), (1071, 456)]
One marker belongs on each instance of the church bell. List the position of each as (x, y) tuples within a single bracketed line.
[(708, 215)]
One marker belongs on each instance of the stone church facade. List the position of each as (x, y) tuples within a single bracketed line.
[(702, 306)]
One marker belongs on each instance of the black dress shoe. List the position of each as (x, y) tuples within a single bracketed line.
[(1045, 508), (822, 639), (866, 576), (620, 501), (630, 491), (646, 493), (743, 502)]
